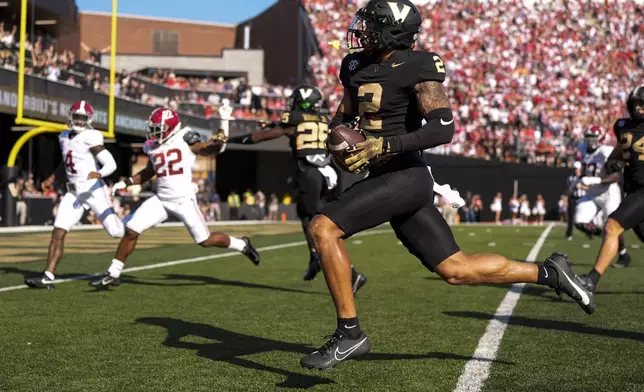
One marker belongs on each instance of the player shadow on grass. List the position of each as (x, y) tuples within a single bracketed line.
[(230, 346), (200, 280), (30, 273), (554, 325)]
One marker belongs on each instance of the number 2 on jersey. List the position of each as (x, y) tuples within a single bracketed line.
[(69, 162), (368, 109), (627, 143), (311, 136), (172, 157)]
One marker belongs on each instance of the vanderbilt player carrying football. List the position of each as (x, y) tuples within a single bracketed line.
[(393, 88), (629, 156), (307, 131)]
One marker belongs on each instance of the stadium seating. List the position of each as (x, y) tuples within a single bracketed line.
[(526, 78)]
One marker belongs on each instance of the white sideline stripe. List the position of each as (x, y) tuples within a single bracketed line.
[(192, 260), (477, 369), (40, 229)]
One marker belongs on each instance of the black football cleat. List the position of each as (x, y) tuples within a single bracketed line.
[(587, 283), (623, 261), (105, 281), (339, 348), (360, 281), (569, 284), (313, 268), (40, 282), (250, 252)]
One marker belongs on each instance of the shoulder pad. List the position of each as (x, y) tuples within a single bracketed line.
[(92, 137), (619, 125), (191, 137), (292, 118), (350, 64), (149, 146), (429, 66)]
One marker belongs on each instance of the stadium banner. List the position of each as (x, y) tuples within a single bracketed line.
[(50, 101)]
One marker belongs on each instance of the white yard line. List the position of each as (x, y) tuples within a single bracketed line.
[(193, 260), (477, 369), (47, 229)]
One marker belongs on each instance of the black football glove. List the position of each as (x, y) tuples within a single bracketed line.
[(614, 166), (191, 137)]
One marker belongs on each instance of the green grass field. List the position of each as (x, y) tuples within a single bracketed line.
[(225, 325)]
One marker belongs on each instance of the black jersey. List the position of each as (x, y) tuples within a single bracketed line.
[(630, 133), (384, 91), (311, 131)]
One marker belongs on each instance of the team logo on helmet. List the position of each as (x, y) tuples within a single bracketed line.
[(162, 125), (81, 116)]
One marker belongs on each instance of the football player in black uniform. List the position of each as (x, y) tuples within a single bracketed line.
[(629, 156), (393, 88), (307, 131)]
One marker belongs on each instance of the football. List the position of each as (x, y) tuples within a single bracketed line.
[(341, 142)]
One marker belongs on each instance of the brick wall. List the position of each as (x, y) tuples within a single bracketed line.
[(135, 34)]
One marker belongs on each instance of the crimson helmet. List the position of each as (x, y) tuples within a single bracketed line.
[(162, 125), (81, 115), (594, 138)]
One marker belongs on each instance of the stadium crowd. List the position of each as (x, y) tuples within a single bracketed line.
[(526, 78), (200, 96)]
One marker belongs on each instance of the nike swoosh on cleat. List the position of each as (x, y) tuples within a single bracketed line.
[(584, 297), (345, 354), (394, 65), (546, 271), (443, 122), (350, 327)]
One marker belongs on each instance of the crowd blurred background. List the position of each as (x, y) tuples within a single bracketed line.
[(525, 78)]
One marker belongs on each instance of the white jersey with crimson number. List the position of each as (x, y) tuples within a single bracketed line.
[(172, 162), (78, 158), (84, 194), (600, 200), (594, 167)]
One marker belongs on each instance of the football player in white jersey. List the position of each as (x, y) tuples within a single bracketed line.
[(172, 152), (603, 193), (82, 148)]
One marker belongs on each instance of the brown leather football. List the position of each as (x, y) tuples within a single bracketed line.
[(340, 144)]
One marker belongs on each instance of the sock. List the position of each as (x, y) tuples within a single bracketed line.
[(547, 275), (115, 268), (349, 327), (50, 275), (237, 243), (594, 276), (622, 247)]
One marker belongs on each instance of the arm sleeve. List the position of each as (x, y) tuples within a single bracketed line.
[(108, 164), (438, 130), (242, 139)]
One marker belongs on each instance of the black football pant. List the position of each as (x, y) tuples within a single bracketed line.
[(311, 193), (630, 214), (398, 191)]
